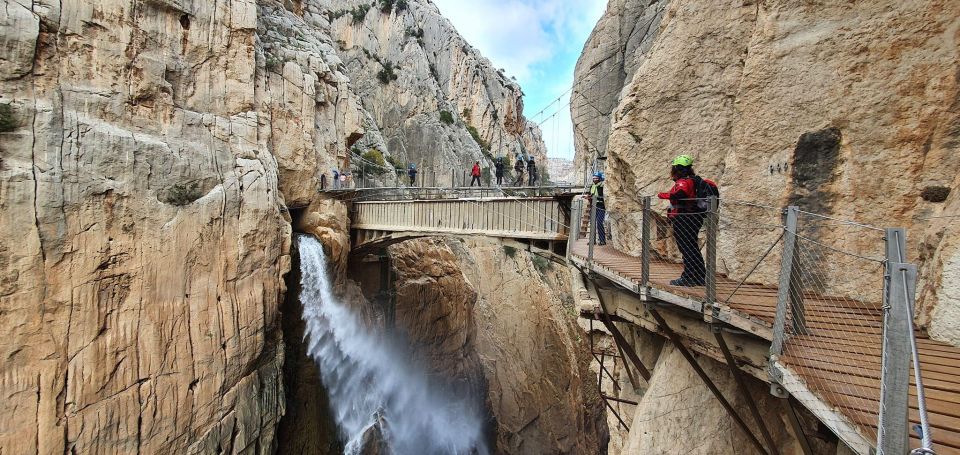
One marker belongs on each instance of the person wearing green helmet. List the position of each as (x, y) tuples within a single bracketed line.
[(687, 216)]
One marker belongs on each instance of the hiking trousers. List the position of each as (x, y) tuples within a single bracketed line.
[(686, 231)]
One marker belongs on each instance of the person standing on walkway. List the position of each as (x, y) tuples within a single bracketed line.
[(518, 169), (336, 179), (532, 172), (475, 174), (596, 197), (498, 168), (412, 173), (687, 217)]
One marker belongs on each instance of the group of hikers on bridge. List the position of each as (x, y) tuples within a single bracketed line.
[(499, 171), (689, 204)]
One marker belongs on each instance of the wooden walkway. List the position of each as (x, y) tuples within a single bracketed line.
[(838, 366)]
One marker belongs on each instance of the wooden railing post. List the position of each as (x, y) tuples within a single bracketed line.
[(645, 243), (784, 295), (893, 426)]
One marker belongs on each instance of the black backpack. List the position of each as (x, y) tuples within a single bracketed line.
[(705, 190)]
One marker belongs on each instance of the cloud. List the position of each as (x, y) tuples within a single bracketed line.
[(538, 42)]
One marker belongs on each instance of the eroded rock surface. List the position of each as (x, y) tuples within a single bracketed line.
[(149, 156), (849, 110), (501, 320)]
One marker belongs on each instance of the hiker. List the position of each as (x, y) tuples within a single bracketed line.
[(498, 169), (596, 197), (532, 171), (687, 212), (518, 169), (475, 174), (336, 179), (412, 173)]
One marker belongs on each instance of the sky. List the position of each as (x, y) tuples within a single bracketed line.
[(538, 42)]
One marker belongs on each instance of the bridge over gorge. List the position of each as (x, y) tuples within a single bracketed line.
[(819, 308)]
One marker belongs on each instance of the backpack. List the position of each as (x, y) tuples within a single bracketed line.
[(705, 189)]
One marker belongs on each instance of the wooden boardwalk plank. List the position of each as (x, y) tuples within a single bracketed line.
[(839, 361)]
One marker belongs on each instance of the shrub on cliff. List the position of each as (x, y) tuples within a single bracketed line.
[(359, 13), (8, 121), (373, 162), (484, 146), (387, 74), (446, 117), (181, 194)]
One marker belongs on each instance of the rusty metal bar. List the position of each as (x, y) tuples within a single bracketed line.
[(742, 385), (616, 414), (797, 428), (621, 341), (604, 369), (675, 339), (619, 400)]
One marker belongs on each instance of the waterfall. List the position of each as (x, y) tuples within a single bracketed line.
[(370, 383)]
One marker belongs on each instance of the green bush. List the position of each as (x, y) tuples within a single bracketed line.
[(386, 6), (510, 251), (8, 121), (387, 74), (401, 5), (415, 32), (446, 117), (541, 263), (374, 162), (479, 140), (394, 162), (359, 13), (182, 194)]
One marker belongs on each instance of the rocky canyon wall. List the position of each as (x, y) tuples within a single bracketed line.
[(501, 321), (149, 152), (435, 100), (849, 110)]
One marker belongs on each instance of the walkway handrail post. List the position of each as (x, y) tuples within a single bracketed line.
[(593, 232), (785, 290), (899, 286), (573, 234), (711, 259), (645, 243)]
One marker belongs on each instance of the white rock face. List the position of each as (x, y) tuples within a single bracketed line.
[(848, 110), (425, 87)]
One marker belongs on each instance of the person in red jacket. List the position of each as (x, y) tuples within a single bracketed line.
[(475, 172), (687, 220)]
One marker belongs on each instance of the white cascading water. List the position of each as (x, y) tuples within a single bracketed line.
[(368, 380)]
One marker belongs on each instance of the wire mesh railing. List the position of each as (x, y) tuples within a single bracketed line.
[(821, 283)]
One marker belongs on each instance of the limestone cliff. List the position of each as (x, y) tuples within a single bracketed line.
[(150, 152), (501, 321), (846, 109), (436, 101)]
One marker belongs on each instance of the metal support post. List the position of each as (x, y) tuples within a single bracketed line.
[(712, 222), (797, 428), (784, 295), (742, 385), (675, 339), (645, 243), (621, 340), (453, 178), (893, 427)]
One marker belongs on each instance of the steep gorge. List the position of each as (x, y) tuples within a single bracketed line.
[(159, 155)]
